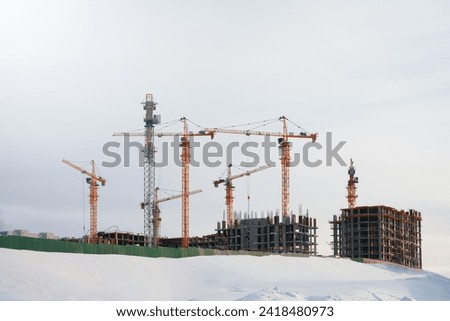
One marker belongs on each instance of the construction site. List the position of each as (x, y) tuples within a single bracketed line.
[(379, 233), (284, 232)]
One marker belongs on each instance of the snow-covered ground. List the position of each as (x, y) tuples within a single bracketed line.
[(28, 275)]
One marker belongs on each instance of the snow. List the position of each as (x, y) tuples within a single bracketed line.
[(28, 275)]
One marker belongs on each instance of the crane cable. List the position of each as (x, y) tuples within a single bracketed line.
[(248, 187), (298, 126), (248, 195), (248, 124), (195, 124), (265, 124), (167, 124)]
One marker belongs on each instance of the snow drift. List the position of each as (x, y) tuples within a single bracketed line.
[(28, 275)]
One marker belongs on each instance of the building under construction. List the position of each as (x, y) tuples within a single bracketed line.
[(127, 238), (379, 233), (287, 234), (121, 238)]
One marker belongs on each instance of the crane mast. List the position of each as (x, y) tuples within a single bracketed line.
[(149, 169), (92, 180), (285, 158), (351, 186), (229, 198), (185, 159), (156, 222), (93, 199), (185, 145)]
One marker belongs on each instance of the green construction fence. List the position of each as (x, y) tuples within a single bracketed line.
[(45, 245)]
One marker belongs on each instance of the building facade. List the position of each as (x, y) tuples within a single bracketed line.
[(294, 234), (121, 238), (379, 233)]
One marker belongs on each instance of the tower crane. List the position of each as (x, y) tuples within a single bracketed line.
[(351, 186), (157, 211), (150, 121), (229, 187), (185, 161), (285, 158), (92, 180)]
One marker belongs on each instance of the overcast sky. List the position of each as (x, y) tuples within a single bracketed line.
[(375, 75)]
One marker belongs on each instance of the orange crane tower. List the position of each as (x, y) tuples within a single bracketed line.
[(229, 187), (285, 158), (93, 196), (157, 211), (185, 161), (351, 186)]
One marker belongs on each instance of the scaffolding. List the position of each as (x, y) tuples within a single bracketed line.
[(379, 233)]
